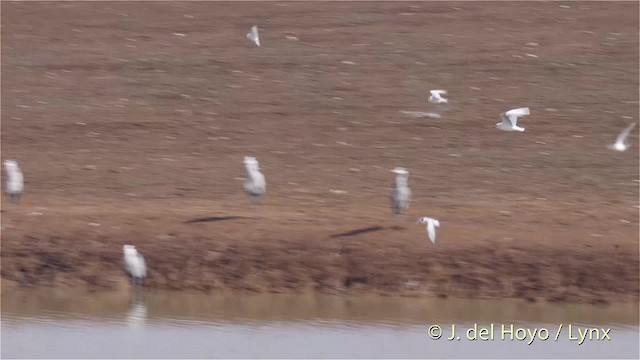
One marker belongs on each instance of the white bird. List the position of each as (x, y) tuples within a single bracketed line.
[(432, 224), (253, 35), (14, 184), (401, 195), (510, 119), (254, 182), (437, 98), (134, 265), (621, 143)]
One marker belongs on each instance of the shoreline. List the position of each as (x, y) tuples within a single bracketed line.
[(596, 274)]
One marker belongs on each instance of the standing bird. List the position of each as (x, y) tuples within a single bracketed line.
[(14, 184), (510, 119), (401, 194), (254, 183), (436, 97), (621, 143), (134, 265), (253, 35), (432, 224)]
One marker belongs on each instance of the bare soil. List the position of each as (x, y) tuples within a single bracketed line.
[(130, 121)]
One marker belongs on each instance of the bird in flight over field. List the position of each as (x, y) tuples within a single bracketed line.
[(621, 143), (436, 97), (432, 224), (253, 35), (510, 119)]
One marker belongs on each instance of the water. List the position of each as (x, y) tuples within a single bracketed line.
[(45, 323)]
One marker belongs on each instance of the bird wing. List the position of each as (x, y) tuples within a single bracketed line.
[(260, 181), (431, 231), (255, 183), (513, 115), (19, 181), (254, 35), (625, 133), (401, 197), (125, 266), (506, 120), (519, 112), (143, 265), (437, 93)]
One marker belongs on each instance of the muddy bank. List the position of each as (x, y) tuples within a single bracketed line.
[(381, 261)]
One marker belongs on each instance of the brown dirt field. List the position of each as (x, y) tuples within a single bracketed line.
[(118, 121)]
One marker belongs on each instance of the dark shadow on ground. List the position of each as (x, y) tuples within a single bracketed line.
[(212, 219), (358, 231)]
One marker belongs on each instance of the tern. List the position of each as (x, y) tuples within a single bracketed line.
[(253, 35), (621, 143), (510, 119), (432, 224), (436, 97)]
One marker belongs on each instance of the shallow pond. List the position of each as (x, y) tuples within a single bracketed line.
[(46, 323)]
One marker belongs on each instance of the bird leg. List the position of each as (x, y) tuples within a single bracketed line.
[(397, 221), (259, 214)]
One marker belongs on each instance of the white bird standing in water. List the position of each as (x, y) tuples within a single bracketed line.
[(254, 183), (253, 35), (432, 224), (621, 143), (401, 195), (436, 97), (510, 119), (134, 265), (14, 184)]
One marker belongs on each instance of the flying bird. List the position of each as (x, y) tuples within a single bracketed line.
[(510, 119), (134, 265), (621, 143), (432, 224), (254, 183), (436, 97), (401, 194), (14, 184), (253, 35)]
